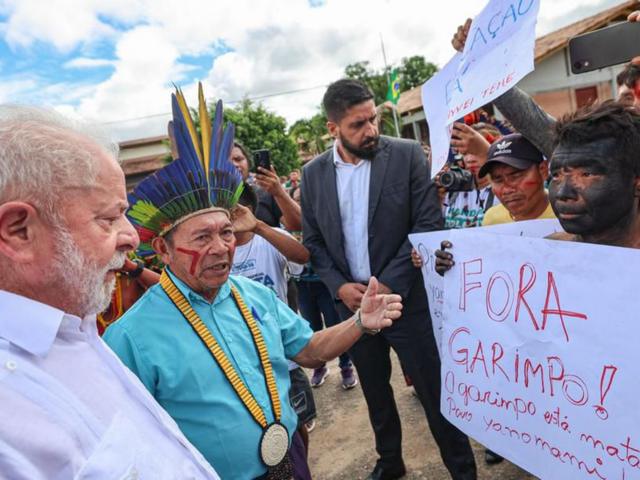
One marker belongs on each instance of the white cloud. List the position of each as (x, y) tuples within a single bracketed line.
[(84, 62), (65, 23), (276, 46)]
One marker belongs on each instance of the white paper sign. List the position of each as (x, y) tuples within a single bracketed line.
[(427, 243), (497, 54), (540, 357)]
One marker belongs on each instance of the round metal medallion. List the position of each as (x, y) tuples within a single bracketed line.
[(274, 444)]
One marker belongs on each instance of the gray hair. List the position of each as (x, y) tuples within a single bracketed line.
[(43, 153)]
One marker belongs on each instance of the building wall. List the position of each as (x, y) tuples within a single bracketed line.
[(132, 152), (553, 85)]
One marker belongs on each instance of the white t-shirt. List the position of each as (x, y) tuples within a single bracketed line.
[(466, 209), (262, 262)]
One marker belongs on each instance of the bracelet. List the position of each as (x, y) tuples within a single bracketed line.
[(363, 329), (138, 271)]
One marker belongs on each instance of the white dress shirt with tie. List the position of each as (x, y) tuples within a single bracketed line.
[(70, 409), (352, 183)]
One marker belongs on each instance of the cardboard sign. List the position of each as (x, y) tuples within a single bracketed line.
[(497, 54), (427, 243), (540, 357)]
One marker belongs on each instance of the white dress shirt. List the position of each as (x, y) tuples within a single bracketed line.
[(352, 182), (70, 409)]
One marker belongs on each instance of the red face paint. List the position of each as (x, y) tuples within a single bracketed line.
[(195, 258)]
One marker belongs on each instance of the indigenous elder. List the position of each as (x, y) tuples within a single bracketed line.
[(68, 407), (213, 348), (360, 200)]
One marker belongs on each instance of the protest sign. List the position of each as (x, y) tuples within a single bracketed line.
[(540, 357), (497, 54), (427, 243)]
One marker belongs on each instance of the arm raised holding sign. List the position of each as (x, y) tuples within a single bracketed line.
[(518, 107), (525, 114)]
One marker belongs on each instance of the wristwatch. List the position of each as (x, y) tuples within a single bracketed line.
[(363, 329)]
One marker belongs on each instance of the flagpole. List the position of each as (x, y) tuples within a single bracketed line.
[(386, 69)]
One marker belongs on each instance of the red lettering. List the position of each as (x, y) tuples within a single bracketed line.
[(524, 288), (495, 358), (501, 315), (534, 371), (467, 287), (491, 89), (546, 311), (465, 359), (479, 355), (553, 377), (454, 112)]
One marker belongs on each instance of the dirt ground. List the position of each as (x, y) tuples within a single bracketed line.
[(342, 444)]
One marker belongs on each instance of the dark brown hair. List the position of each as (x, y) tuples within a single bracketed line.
[(607, 120)]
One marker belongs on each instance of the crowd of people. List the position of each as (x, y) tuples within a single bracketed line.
[(241, 279)]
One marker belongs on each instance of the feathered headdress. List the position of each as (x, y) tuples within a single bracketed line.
[(202, 178)]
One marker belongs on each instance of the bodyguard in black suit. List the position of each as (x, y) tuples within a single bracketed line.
[(395, 195)]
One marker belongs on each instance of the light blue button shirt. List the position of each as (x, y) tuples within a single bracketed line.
[(155, 341), (352, 184)]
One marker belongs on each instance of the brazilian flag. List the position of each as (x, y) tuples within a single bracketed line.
[(393, 94)]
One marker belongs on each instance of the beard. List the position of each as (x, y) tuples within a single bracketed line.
[(83, 281), (366, 151)]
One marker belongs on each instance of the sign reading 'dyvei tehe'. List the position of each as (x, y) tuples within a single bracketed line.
[(497, 54), (541, 353)]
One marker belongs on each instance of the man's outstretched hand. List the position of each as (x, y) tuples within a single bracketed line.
[(379, 310)]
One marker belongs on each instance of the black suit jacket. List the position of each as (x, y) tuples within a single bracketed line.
[(402, 200)]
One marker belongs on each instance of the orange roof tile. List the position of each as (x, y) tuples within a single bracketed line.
[(550, 43)]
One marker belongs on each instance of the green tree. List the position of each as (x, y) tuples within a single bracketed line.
[(311, 132), (375, 80), (258, 128), (414, 71)]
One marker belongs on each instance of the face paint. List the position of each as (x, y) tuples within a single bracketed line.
[(520, 191), (195, 258), (591, 191)]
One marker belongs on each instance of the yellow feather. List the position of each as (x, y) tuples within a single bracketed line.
[(205, 129), (189, 121)]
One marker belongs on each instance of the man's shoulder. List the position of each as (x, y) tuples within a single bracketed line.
[(319, 160), (145, 312), (404, 143), (495, 215)]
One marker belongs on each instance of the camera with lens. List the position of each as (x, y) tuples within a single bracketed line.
[(456, 179)]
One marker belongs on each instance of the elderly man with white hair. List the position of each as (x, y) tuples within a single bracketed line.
[(68, 407)]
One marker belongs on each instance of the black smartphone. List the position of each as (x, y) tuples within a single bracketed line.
[(602, 48), (262, 158)]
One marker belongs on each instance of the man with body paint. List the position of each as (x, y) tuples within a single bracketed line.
[(528, 118), (595, 179)]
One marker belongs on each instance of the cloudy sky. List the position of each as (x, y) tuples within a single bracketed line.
[(114, 61)]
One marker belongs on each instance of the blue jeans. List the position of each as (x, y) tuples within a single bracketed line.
[(315, 303)]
